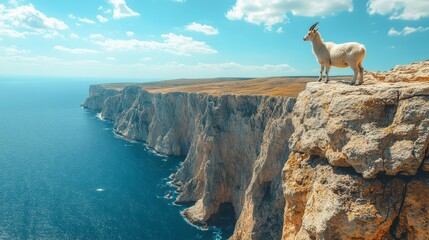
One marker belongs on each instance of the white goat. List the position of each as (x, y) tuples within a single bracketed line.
[(343, 55)]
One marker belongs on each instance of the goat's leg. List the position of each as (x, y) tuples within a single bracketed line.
[(322, 67), (327, 72), (360, 74), (355, 73)]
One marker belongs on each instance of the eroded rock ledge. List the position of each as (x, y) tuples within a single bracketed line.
[(379, 128), (354, 158)]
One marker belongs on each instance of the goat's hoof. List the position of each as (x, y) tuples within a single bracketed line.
[(326, 82), (352, 83), (318, 80)]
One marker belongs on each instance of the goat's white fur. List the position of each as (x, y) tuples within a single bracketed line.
[(343, 55)]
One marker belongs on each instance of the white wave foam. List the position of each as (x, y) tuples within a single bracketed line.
[(154, 152), (217, 233), (100, 116), (99, 190)]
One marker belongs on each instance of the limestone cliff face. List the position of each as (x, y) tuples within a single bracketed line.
[(380, 128), (326, 202), (235, 148), (339, 162), (358, 162), (97, 96)]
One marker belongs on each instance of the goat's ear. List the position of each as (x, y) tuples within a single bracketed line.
[(316, 29)]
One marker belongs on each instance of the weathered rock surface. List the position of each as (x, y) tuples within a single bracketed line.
[(414, 72), (380, 128), (414, 218), (325, 202)]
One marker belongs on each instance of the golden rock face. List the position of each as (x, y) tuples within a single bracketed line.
[(326, 202)]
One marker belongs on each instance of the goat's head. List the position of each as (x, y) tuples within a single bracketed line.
[(311, 32)]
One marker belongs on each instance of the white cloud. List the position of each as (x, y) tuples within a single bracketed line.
[(86, 20), (15, 2), (12, 50), (121, 10), (270, 13), (32, 59), (75, 50), (130, 34), (29, 17), (102, 19), (179, 1), (74, 35), (100, 8), (48, 66), (145, 59), (400, 9), (110, 58), (52, 34), (172, 43), (22, 21), (247, 70), (279, 30), (96, 36), (7, 31), (406, 31), (206, 29)]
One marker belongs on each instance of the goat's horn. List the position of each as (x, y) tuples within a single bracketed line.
[(313, 26)]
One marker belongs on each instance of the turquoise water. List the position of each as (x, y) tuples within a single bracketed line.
[(64, 174)]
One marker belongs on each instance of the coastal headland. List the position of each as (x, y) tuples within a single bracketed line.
[(295, 158)]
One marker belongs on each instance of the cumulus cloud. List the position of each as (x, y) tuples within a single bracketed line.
[(172, 43), (406, 31), (102, 19), (270, 13), (206, 29), (75, 50), (130, 34), (29, 17), (400, 9), (26, 20), (121, 10)]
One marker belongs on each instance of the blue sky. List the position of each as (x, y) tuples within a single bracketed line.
[(165, 39)]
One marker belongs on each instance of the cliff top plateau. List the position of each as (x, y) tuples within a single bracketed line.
[(276, 86)]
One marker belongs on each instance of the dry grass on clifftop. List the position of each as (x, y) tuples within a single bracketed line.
[(277, 86)]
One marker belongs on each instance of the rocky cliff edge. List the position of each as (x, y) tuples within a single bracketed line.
[(339, 162)]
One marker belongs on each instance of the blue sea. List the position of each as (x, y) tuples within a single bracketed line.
[(65, 175)]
